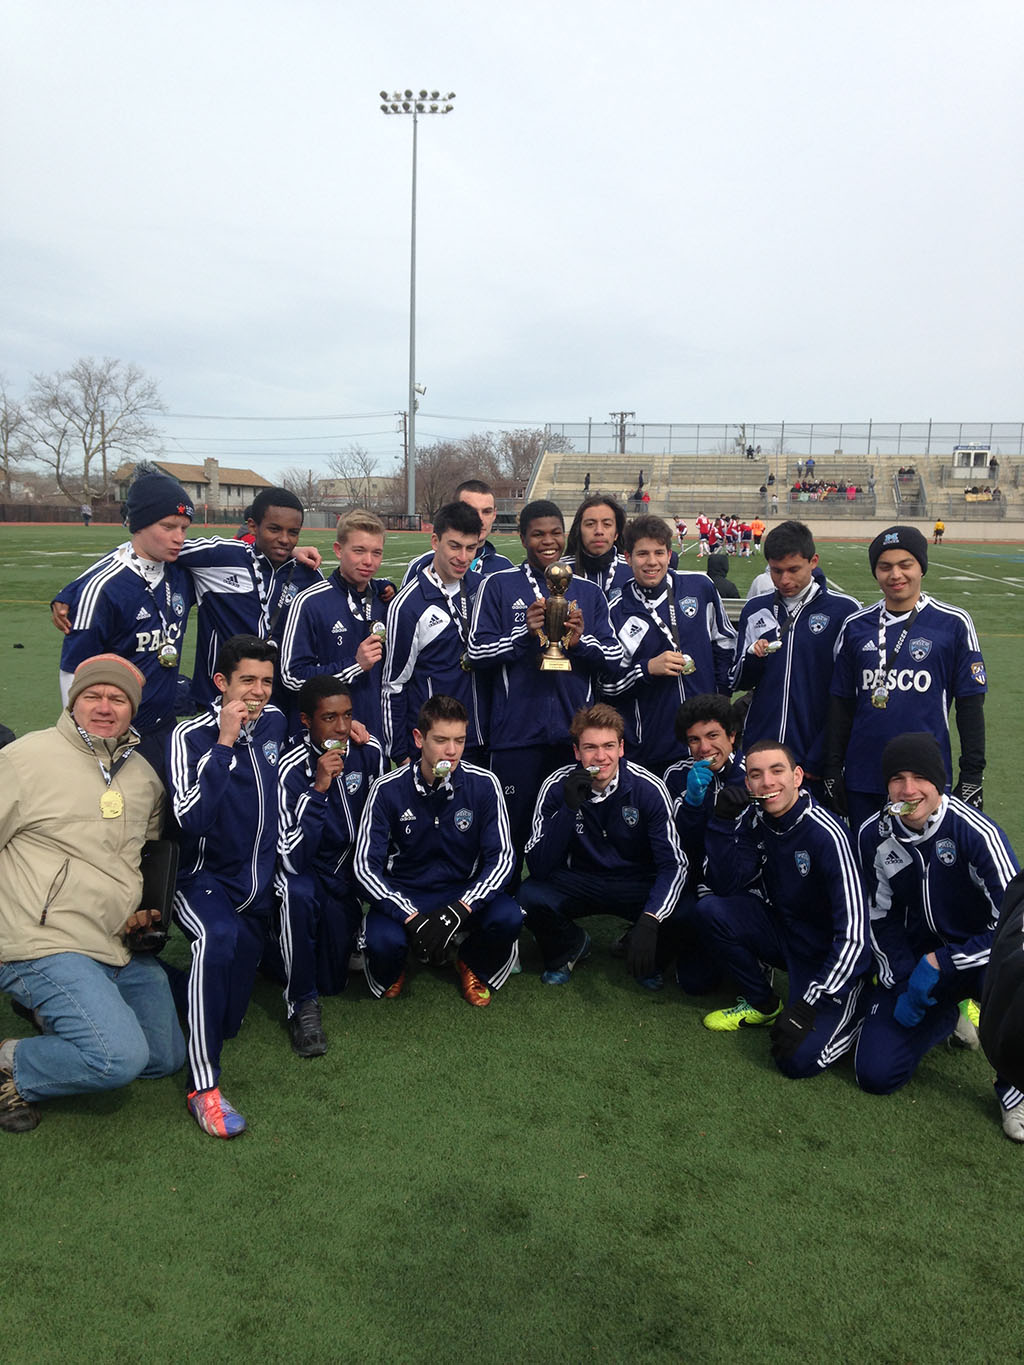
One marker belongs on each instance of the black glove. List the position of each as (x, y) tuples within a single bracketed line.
[(791, 1028), (643, 946), (433, 932), (576, 788), (969, 792), (731, 801), (835, 795), (148, 940)]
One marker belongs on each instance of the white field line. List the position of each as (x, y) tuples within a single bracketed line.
[(969, 573)]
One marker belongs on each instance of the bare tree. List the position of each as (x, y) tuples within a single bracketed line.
[(481, 456), (305, 484), (440, 468), (353, 468), (518, 451), (85, 421), (13, 435)]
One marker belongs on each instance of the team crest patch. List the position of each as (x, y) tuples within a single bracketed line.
[(919, 649), (353, 781), (463, 819), (631, 816), (286, 595), (803, 861), (945, 851), (178, 603), (270, 751), (688, 606), (978, 673), (818, 622), (892, 538)]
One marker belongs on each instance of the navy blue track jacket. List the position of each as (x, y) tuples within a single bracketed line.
[(317, 830), (791, 686), (627, 833), (938, 891), (812, 881), (423, 659), (225, 800), (530, 707), (413, 838)]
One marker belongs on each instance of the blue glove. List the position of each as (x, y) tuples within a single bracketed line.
[(911, 1005), (698, 779)]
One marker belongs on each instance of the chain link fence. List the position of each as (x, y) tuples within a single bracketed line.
[(788, 438)]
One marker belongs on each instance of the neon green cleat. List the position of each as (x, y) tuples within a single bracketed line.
[(740, 1015), (966, 1032)]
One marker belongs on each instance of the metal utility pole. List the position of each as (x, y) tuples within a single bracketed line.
[(620, 420), (404, 102)]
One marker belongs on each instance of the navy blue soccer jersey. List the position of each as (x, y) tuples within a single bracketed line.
[(920, 669), (117, 608)]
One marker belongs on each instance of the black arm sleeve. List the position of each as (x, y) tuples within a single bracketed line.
[(970, 726), (837, 733)]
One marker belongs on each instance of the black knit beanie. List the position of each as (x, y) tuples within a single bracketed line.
[(907, 538), (915, 753)]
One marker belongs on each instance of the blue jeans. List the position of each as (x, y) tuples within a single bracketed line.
[(103, 1025)]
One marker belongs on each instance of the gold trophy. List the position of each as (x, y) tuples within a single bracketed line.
[(556, 609)]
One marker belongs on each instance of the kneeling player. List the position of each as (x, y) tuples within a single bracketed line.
[(603, 843), (813, 922), (324, 782), (937, 871), (223, 780), (433, 856), (708, 725)]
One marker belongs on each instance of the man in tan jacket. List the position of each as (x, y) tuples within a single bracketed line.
[(77, 804)]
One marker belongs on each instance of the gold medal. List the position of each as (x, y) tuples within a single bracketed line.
[(111, 804)]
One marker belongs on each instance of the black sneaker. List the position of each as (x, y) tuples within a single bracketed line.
[(306, 1030), (16, 1114)]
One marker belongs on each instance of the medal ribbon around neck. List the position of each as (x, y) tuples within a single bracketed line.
[(167, 642), (266, 591), (111, 802), (787, 618), (670, 631), (459, 613), (891, 657)]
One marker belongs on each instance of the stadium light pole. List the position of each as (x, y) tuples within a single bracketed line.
[(406, 102)]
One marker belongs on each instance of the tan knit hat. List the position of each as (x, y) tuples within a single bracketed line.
[(111, 669)]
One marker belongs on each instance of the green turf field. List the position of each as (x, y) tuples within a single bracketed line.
[(569, 1175)]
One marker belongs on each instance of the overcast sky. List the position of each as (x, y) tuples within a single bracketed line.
[(697, 212)]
